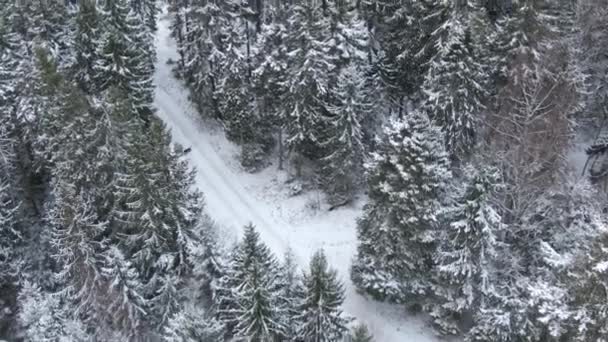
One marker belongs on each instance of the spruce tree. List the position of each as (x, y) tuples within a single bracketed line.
[(126, 56), (467, 249), (289, 284), (43, 317), (321, 318), (124, 302), (85, 44), (307, 79), (398, 230), (208, 259), (455, 80), (202, 52), (248, 292), (157, 212), (269, 78), (10, 55), (405, 30), (361, 334), (192, 324), (46, 26), (345, 37), (11, 231), (78, 244), (147, 10), (343, 166)]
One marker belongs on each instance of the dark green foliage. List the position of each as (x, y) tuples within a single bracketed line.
[(321, 318), (361, 334), (467, 250), (126, 57), (248, 300), (85, 45), (454, 85), (398, 230)]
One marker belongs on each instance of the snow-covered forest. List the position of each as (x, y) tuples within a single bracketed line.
[(303, 170)]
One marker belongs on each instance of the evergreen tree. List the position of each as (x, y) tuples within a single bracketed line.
[(78, 246), (192, 324), (248, 292), (202, 52), (467, 249), (361, 334), (454, 83), (208, 259), (9, 61), (269, 77), (85, 44), (307, 79), (43, 317), (343, 165), (397, 232), (405, 32), (157, 214), (11, 231), (147, 10), (346, 37), (289, 284), (321, 317), (45, 25), (124, 301), (126, 56)]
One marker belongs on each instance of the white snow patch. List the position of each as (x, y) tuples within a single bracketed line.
[(234, 198)]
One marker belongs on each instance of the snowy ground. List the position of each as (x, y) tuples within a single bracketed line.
[(235, 198)]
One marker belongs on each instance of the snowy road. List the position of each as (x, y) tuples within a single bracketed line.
[(233, 202)]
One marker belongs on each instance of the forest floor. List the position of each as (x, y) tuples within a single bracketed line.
[(235, 197)]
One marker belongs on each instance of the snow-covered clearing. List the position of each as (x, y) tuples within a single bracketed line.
[(235, 198)]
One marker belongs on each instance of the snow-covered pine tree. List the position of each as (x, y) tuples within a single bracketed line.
[(78, 248), (343, 165), (540, 284), (192, 324), (289, 284), (269, 75), (562, 226), (147, 11), (208, 259), (177, 12), (589, 299), (247, 122), (234, 94), (321, 318), (126, 56), (307, 81), (201, 51), (455, 80), (157, 212), (86, 39), (43, 317), (404, 33), (124, 303), (361, 334), (397, 232), (347, 37), (247, 294), (10, 56), (46, 25), (594, 39), (467, 249), (9, 71), (11, 232)]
